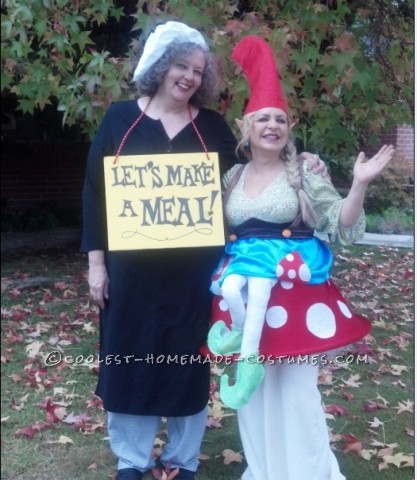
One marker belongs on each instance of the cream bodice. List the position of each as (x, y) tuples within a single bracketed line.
[(278, 203)]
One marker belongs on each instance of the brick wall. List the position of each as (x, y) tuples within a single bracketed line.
[(38, 174), (405, 143), (402, 137)]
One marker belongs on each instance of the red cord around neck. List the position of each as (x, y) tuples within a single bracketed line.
[(129, 131)]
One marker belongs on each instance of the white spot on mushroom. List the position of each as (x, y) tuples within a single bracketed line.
[(321, 320), (304, 273), (344, 309), (279, 270), (276, 317), (287, 285), (292, 273), (223, 305), (290, 257)]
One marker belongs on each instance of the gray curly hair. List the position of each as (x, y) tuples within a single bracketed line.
[(150, 82)]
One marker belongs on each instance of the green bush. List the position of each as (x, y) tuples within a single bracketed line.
[(391, 221), (387, 192), (392, 189)]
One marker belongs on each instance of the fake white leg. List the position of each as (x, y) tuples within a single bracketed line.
[(232, 293), (249, 373), (283, 428), (222, 340), (259, 292)]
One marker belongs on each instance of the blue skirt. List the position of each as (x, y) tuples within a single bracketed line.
[(257, 257)]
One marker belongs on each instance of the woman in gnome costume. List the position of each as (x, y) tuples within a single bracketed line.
[(274, 295)]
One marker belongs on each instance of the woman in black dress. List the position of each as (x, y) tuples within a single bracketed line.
[(155, 304)]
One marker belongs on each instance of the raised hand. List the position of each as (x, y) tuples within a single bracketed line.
[(364, 171)]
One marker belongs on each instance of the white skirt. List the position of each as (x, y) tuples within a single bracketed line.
[(283, 428)]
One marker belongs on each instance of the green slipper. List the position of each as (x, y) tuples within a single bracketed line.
[(222, 341), (249, 376)]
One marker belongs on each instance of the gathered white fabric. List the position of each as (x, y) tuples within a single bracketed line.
[(158, 42), (283, 427)]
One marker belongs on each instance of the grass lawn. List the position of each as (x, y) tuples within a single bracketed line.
[(53, 426)]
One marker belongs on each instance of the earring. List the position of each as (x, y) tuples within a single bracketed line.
[(247, 144)]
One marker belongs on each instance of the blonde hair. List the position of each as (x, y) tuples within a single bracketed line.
[(293, 169)]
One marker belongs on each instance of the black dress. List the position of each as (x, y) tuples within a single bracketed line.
[(158, 313)]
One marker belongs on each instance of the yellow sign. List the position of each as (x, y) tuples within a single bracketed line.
[(163, 201)]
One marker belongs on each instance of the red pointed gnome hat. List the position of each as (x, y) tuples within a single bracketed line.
[(257, 61)]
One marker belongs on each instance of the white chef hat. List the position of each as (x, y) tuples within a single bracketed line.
[(159, 40)]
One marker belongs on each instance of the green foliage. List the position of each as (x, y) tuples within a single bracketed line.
[(347, 66), (48, 55), (391, 221), (388, 191)]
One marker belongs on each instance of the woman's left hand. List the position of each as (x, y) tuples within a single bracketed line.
[(364, 171), (315, 164)]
